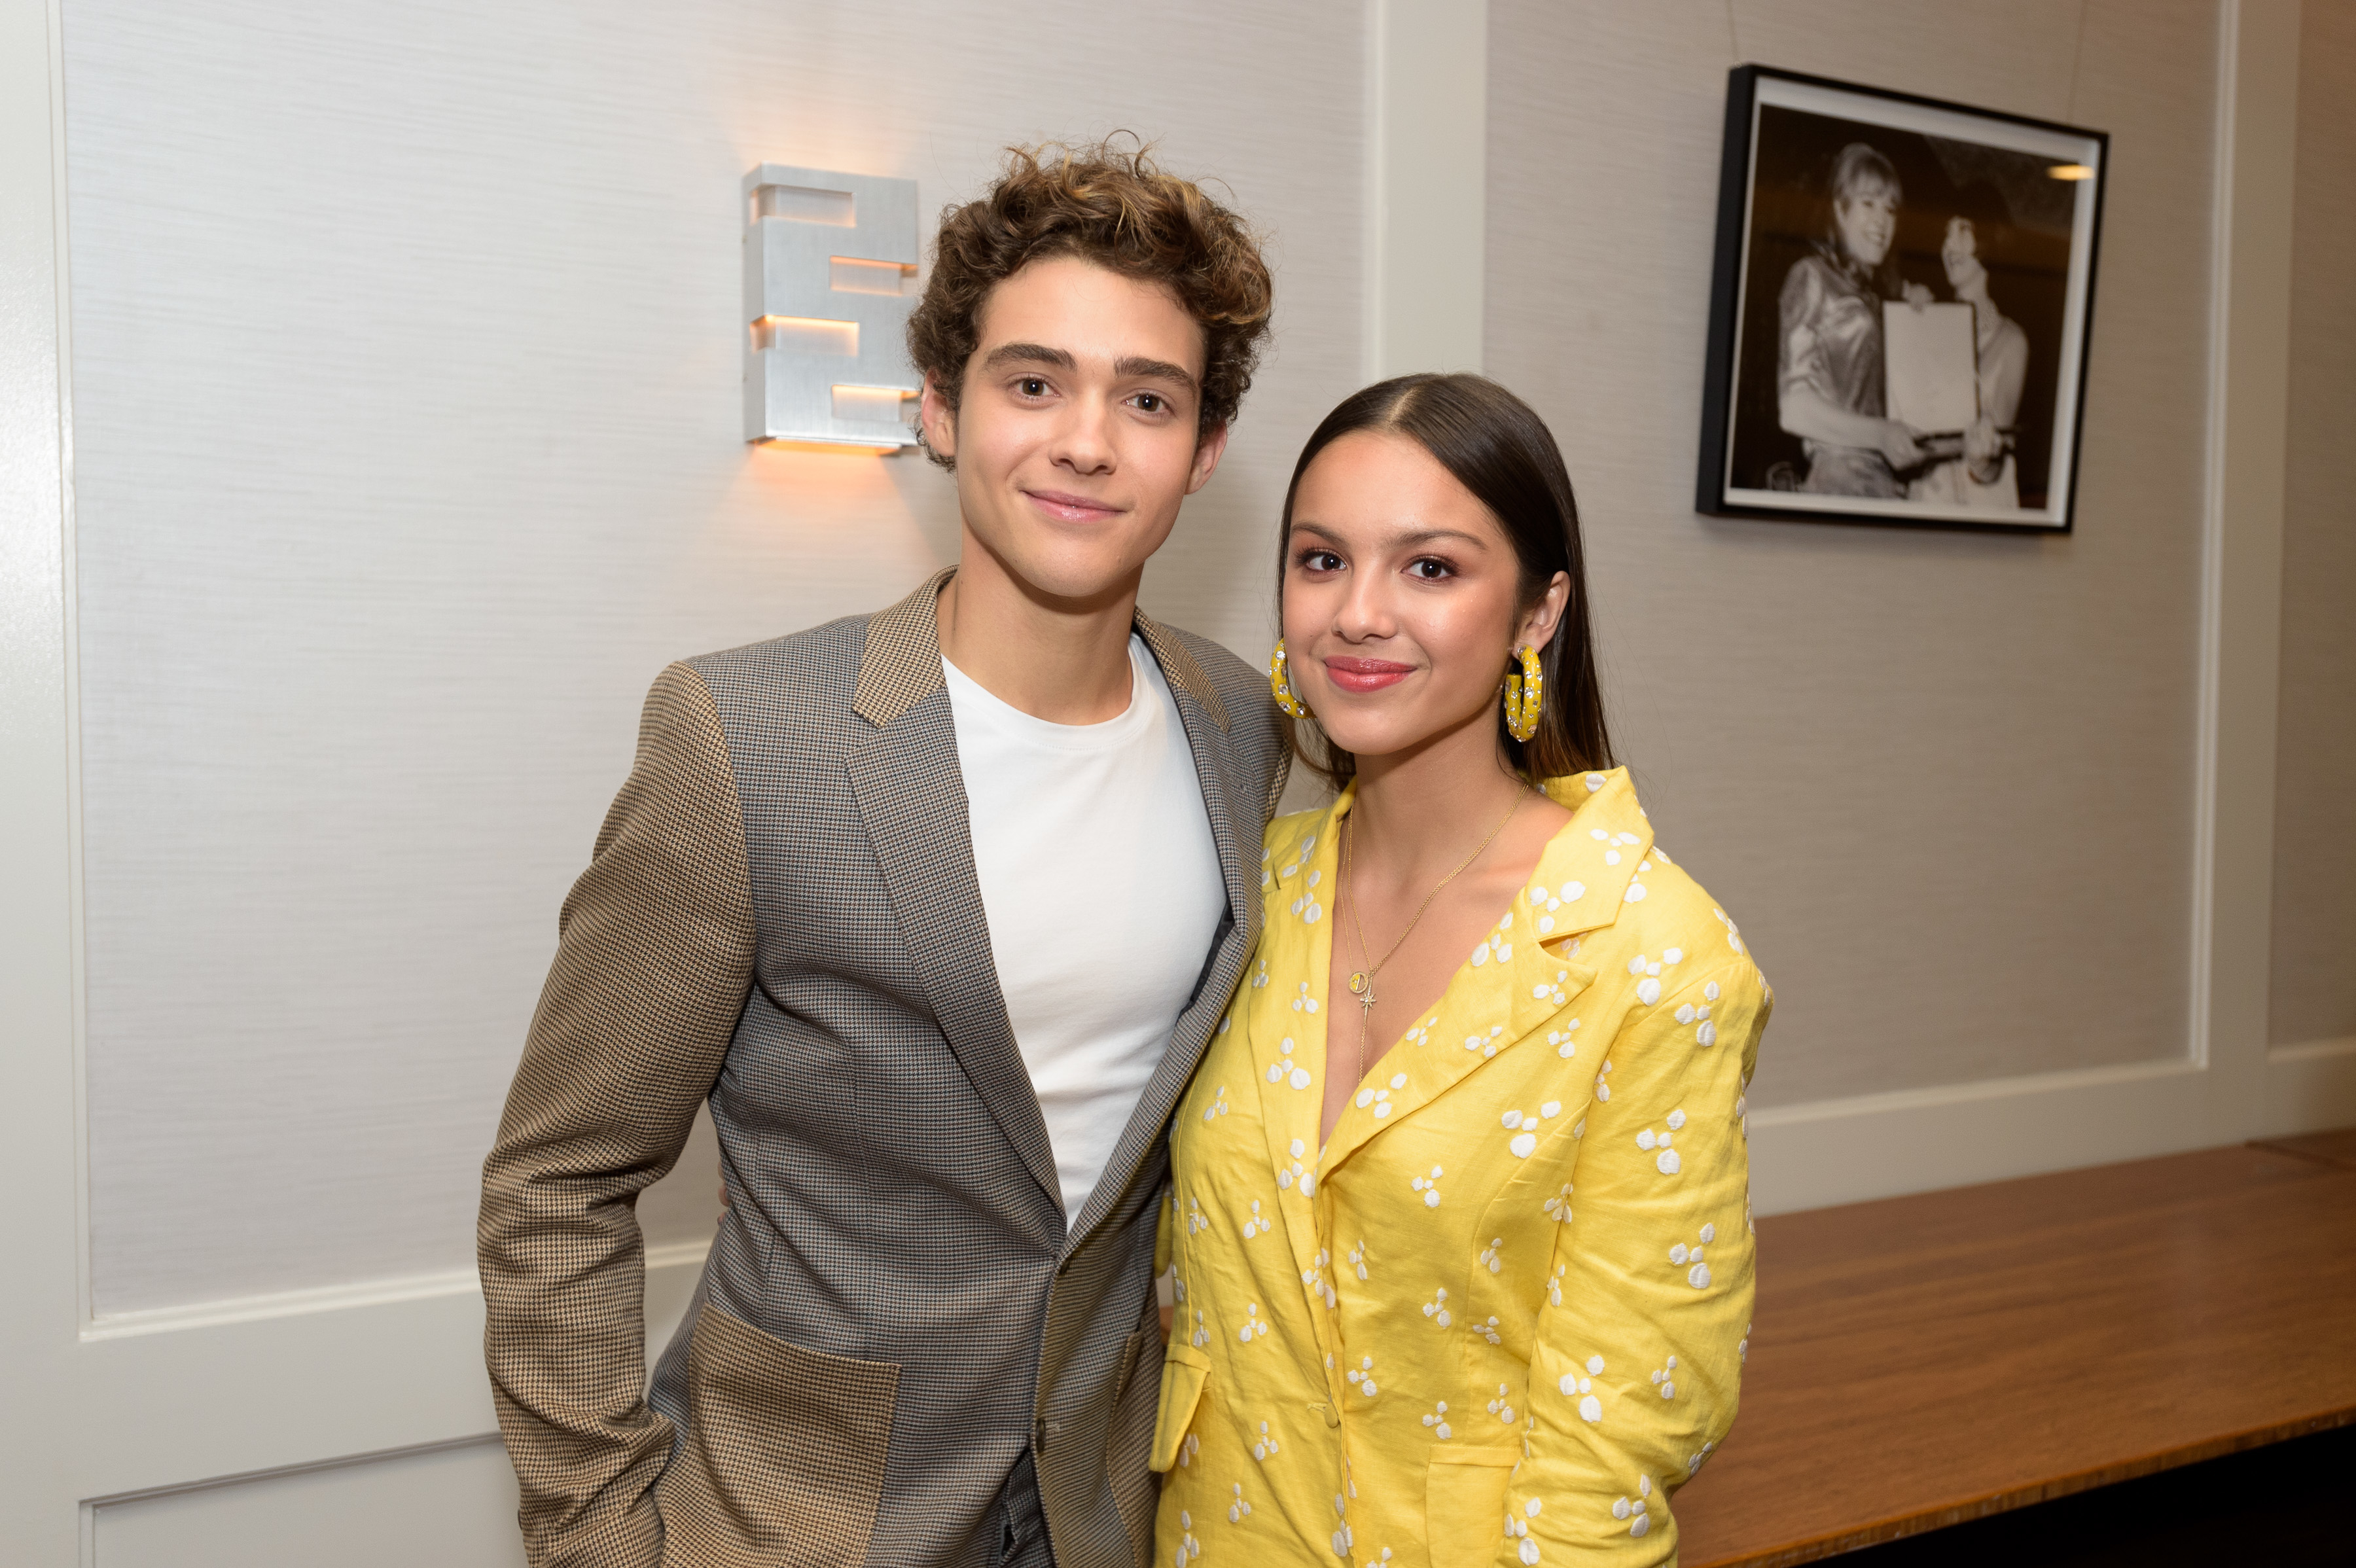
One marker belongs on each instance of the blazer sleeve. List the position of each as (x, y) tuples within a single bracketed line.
[(653, 964), (1640, 1345)]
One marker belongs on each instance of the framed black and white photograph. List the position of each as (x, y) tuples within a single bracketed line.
[(1899, 310)]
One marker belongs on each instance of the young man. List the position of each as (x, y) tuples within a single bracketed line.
[(937, 907)]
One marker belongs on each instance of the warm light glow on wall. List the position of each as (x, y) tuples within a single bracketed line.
[(829, 269), (2070, 171), (807, 335)]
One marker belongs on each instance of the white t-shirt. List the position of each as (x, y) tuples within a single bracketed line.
[(1102, 888)]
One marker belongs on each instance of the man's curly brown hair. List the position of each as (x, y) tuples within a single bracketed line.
[(1112, 205)]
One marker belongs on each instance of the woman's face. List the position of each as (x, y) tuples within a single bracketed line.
[(1399, 597), (1866, 217), (1960, 253)]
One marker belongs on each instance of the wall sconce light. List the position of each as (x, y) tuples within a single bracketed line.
[(828, 261)]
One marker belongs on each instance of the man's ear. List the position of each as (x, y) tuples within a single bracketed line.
[(939, 422), (1207, 452)]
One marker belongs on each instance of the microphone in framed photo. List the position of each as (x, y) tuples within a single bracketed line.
[(1931, 366)]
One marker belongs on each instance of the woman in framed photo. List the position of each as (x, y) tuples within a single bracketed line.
[(1829, 369), (1983, 474), (1397, 1325)]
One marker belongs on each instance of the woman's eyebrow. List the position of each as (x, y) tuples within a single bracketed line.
[(1407, 540)]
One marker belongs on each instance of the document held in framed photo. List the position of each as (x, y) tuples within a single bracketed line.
[(1931, 366)]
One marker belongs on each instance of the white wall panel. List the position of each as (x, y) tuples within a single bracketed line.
[(454, 1507), (406, 362), (1944, 780), (2314, 991)]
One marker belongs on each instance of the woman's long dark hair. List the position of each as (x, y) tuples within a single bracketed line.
[(1498, 448)]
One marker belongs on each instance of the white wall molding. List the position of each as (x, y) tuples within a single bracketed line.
[(322, 1381), (1427, 199), (1813, 1112), (2312, 1050), (1874, 1146), (2240, 612), (662, 1264), (41, 1227), (2309, 1088), (342, 1462)]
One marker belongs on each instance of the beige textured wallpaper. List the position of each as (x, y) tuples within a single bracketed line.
[(2314, 995), (1945, 781)]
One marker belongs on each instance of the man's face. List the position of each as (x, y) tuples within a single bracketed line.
[(1075, 435)]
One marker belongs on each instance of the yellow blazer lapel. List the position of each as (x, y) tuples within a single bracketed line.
[(1520, 984), (1287, 1039)]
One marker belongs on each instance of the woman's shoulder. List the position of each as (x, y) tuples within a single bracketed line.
[(1809, 278), (2011, 340), (1661, 907), (1676, 914)]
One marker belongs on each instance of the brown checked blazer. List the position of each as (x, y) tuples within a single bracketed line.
[(898, 1348)]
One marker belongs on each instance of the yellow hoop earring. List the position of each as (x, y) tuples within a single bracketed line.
[(1279, 683), (1524, 696)]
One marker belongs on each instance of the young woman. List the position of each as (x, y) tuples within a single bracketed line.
[(1458, 1218), (1983, 474), (1829, 375)]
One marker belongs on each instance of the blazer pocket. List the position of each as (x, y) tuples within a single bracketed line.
[(1463, 1498), (1183, 1371), (783, 1461)]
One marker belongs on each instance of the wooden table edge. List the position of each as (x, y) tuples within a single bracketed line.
[(1937, 1518)]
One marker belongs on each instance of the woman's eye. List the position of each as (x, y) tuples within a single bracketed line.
[(1319, 561), (1033, 386), (1427, 570)]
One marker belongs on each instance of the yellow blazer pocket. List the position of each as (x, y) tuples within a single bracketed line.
[(1183, 1371), (783, 1464), (1464, 1499)]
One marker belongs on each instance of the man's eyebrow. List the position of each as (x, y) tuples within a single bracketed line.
[(1032, 353), (1158, 369)]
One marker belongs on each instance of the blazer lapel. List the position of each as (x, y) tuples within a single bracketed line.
[(1235, 824), (1527, 984), (911, 794), (1289, 1037)]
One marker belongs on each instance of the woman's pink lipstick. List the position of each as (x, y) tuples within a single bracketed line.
[(1366, 674)]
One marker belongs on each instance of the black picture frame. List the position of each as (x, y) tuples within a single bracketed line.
[(1970, 206)]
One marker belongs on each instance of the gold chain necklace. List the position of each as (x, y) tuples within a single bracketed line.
[(1362, 982)]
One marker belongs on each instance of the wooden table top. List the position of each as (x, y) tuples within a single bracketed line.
[(1919, 1361)]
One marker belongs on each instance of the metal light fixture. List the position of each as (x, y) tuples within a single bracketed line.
[(828, 261)]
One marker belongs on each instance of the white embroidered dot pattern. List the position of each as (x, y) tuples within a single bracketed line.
[(1690, 1258)]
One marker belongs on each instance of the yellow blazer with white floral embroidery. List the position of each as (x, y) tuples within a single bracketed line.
[(1515, 1286)]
